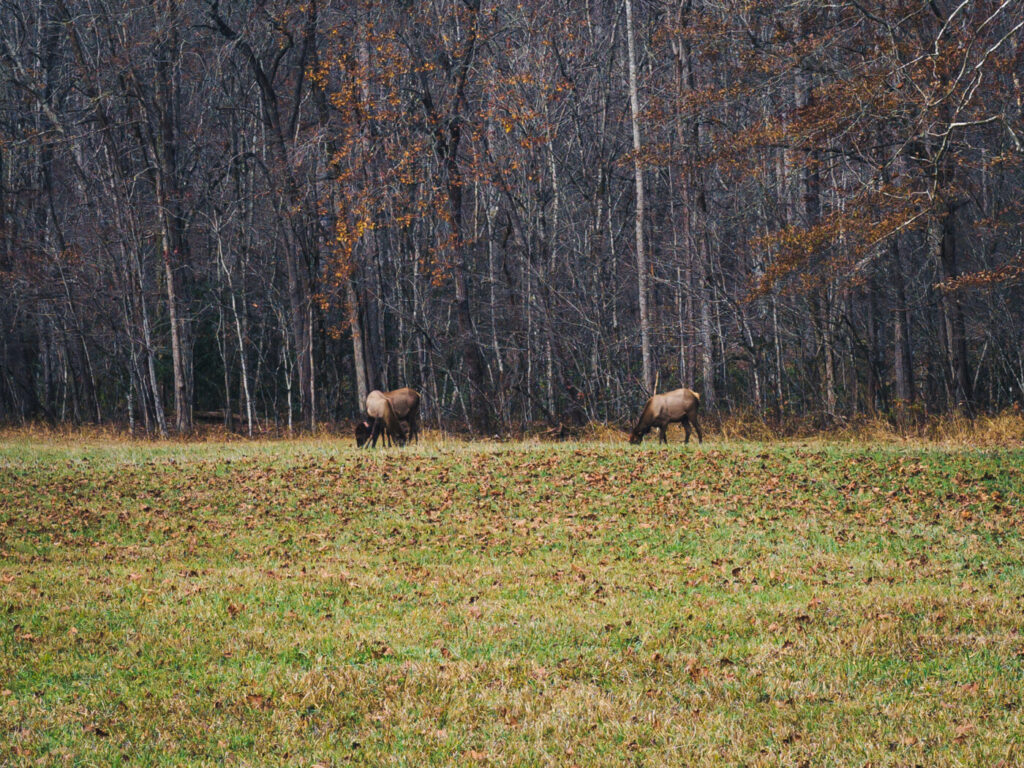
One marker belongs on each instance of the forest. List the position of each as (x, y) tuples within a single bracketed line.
[(534, 212)]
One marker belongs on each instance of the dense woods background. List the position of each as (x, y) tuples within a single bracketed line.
[(529, 211)]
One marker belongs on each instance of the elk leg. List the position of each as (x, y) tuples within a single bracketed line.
[(662, 435), (696, 425), (399, 437), (686, 425), (375, 433)]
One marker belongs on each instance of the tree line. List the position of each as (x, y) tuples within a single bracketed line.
[(532, 211)]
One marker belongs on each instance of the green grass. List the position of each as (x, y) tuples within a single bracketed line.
[(302, 603)]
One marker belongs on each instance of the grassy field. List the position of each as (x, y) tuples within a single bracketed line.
[(299, 603)]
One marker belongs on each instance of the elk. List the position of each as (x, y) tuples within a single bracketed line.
[(677, 406), (386, 412)]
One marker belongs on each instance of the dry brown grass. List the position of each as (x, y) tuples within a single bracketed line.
[(1003, 429)]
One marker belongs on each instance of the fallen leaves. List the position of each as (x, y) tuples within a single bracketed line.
[(964, 731), (550, 597), (257, 701)]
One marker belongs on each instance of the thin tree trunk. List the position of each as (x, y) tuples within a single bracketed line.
[(551, 238), (638, 176), (828, 351), (492, 280), (356, 329), (942, 243), (903, 363), (182, 413), (872, 395), (777, 343), (242, 356), (171, 240)]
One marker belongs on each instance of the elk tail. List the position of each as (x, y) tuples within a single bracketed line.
[(696, 394)]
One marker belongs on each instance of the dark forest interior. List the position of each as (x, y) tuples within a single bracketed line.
[(530, 212)]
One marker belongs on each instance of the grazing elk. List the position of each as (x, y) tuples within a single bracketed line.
[(386, 412), (679, 405)]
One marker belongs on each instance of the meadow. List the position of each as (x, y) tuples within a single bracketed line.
[(302, 603)]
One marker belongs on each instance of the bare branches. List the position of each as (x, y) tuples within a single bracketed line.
[(270, 207)]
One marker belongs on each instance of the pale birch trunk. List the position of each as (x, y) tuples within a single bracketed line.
[(638, 175)]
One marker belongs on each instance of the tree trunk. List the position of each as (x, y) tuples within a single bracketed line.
[(903, 363), (638, 176), (182, 412), (239, 336), (168, 205), (695, 238), (356, 329), (942, 243), (872, 395)]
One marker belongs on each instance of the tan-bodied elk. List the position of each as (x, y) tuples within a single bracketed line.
[(386, 412), (678, 406)]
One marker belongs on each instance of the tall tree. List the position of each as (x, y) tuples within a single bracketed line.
[(638, 175)]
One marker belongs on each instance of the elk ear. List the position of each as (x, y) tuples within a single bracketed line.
[(366, 424)]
